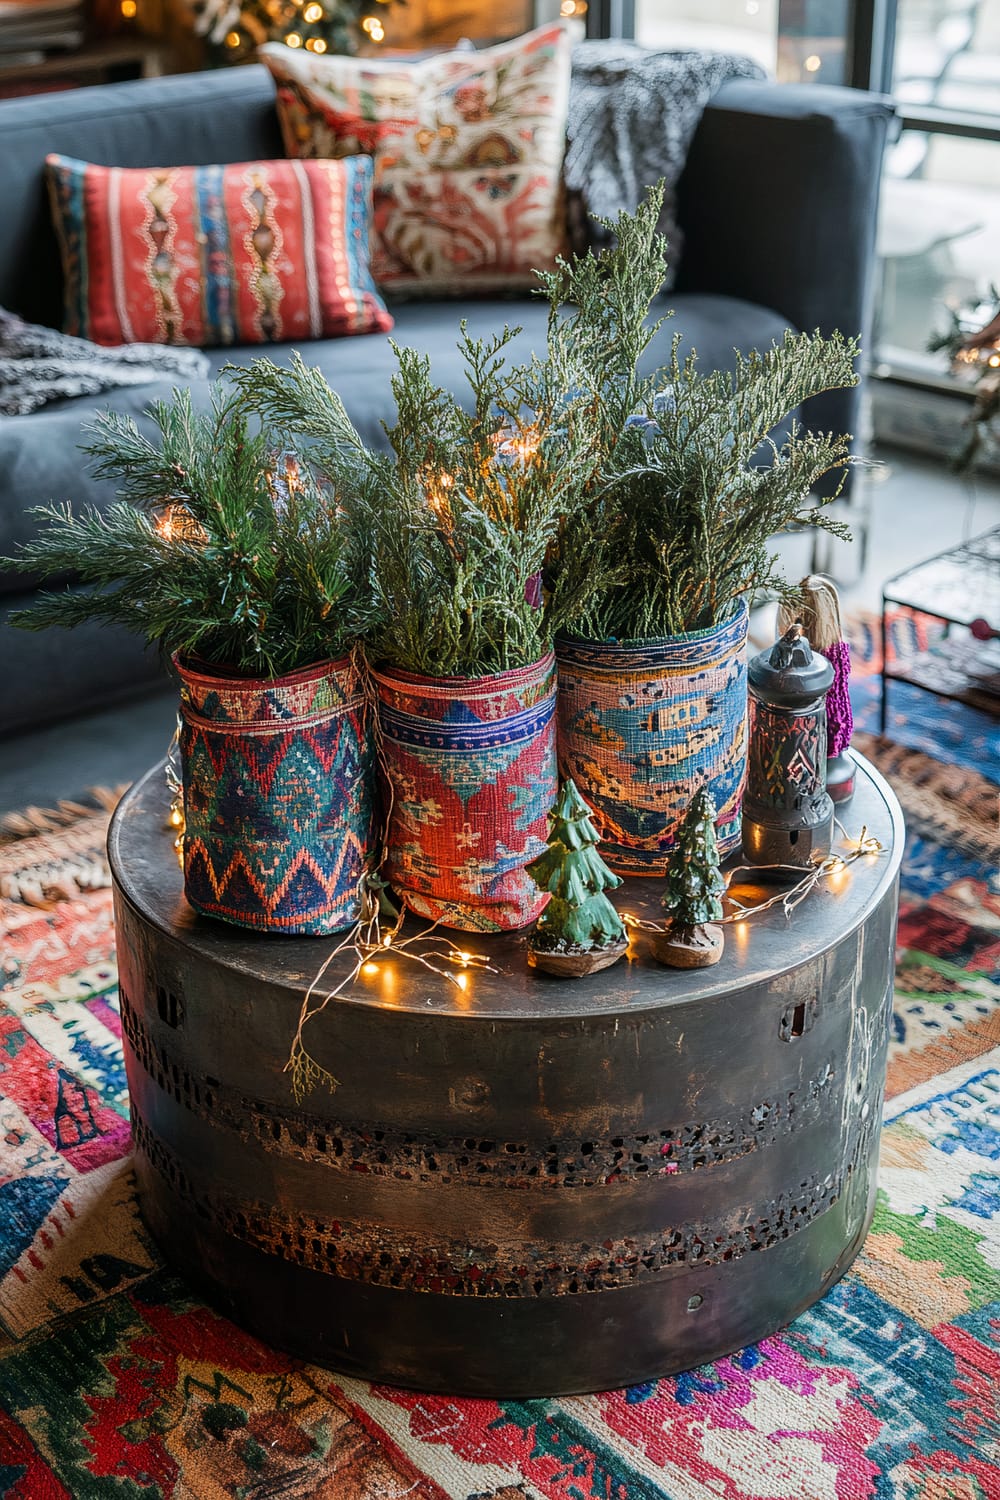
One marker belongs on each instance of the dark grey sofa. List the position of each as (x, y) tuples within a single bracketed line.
[(777, 205)]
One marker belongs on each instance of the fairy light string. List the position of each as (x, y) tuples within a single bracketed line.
[(175, 817), (367, 940), (788, 899)]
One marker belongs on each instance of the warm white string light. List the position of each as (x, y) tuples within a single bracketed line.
[(823, 868), (367, 942), (175, 817)]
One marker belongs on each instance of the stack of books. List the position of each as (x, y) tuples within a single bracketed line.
[(31, 29)]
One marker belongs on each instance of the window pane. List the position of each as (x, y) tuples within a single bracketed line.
[(746, 26), (799, 41), (948, 54), (938, 236), (812, 41)]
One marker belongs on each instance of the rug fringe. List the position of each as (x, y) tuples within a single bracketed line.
[(48, 855), (40, 820)]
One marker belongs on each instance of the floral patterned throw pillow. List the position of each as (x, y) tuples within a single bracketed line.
[(468, 150)]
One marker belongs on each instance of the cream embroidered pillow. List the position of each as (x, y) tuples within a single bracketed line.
[(468, 150)]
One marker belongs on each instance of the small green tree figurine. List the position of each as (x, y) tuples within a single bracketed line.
[(579, 931), (694, 887)]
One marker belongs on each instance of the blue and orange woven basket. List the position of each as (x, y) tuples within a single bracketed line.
[(644, 724)]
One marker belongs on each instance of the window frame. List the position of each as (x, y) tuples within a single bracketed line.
[(869, 61)]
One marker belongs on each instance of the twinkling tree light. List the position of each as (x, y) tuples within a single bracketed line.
[(237, 27)]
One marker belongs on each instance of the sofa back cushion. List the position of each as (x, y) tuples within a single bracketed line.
[(468, 150), (245, 253), (151, 123)]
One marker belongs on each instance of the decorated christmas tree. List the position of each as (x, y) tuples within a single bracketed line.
[(234, 28), (579, 931), (695, 886)]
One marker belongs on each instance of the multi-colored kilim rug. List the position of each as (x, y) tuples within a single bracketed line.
[(117, 1383), (958, 736)]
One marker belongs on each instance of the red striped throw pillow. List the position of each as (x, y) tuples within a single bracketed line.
[(249, 253)]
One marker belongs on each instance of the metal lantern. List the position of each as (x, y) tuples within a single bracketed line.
[(787, 811)]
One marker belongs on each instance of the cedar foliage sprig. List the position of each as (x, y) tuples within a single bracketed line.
[(465, 512), (689, 488), (215, 547), (476, 504)]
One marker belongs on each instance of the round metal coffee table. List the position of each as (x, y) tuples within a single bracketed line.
[(533, 1187)]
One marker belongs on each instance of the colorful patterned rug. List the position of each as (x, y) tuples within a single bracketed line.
[(117, 1383), (949, 732)]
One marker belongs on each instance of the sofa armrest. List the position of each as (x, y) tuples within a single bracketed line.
[(778, 205)]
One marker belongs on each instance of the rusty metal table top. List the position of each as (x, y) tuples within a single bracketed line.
[(532, 1186), (148, 876)]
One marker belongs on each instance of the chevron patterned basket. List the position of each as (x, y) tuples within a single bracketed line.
[(277, 777)]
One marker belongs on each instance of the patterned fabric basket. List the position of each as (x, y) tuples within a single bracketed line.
[(643, 725), (277, 780), (471, 767)]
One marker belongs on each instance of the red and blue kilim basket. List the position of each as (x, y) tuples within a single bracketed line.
[(644, 724), (471, 770), (277, 778)]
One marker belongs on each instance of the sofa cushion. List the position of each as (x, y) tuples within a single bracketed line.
[(248, 253), (360, 370), (468, 150), (41, 461), (41, 458), (228, 115)]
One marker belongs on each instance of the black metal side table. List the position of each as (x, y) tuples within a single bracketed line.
[(529, 1187), (959, 587)]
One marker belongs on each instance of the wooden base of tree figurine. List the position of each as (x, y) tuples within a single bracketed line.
[(692, 939), (689, 947), (579, 932)]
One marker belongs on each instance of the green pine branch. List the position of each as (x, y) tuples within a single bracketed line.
[(462, 519), (212, 550), (695, 510), (563, 492)]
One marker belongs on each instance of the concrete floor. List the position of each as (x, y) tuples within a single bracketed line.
[(916, 508)]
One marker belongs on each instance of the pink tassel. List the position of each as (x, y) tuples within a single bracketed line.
[(839, 718)]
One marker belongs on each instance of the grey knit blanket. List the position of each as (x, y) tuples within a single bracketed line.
[(39, 365), (632, 115)]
